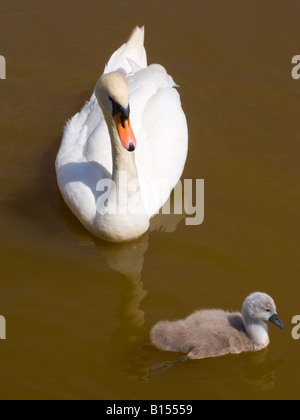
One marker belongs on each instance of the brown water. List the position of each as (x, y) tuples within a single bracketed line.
[(79, 311)]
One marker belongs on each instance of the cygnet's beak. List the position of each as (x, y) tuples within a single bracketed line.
[(276, 320), (124, 128)]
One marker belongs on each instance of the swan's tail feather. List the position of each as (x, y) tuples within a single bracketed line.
[(137, 35), (133, 50)]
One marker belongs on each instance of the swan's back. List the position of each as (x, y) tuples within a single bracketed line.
[(160, 127), (206, 333)]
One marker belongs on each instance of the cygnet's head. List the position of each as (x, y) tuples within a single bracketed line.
[(260, 306), (112, 93)]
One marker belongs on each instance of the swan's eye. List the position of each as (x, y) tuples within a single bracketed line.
[(268, 310)]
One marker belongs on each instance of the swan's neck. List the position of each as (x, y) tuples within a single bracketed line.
[(125, 176), (257, 331), (124, 217), (123, 161)]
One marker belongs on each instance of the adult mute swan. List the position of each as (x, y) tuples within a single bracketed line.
[(213, 333), (123, 154)]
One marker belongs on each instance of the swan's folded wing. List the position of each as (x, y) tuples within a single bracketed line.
[(83, 160), (160, 128)]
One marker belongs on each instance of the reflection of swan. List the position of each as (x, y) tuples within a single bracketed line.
[(257, 368), (99, 141), (213, 333), (125, 351), (261, 371)]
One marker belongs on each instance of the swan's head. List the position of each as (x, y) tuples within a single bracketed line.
[(112, 93), (260, 306)]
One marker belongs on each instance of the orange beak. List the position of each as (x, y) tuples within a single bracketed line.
[(125, 132)]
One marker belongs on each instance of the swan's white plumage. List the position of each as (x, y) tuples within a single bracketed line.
[(129, 55), (160, 127)]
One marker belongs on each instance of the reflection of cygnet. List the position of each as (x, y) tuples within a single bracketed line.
[(213, 333)]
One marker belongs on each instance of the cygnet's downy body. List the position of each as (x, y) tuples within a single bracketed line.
[(214, 333)]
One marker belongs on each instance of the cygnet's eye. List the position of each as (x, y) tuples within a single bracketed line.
[(268, 310)]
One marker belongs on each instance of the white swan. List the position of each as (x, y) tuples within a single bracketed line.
[(133, 132), (213, 333)]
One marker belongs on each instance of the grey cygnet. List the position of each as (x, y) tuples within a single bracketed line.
[(213, 333)]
